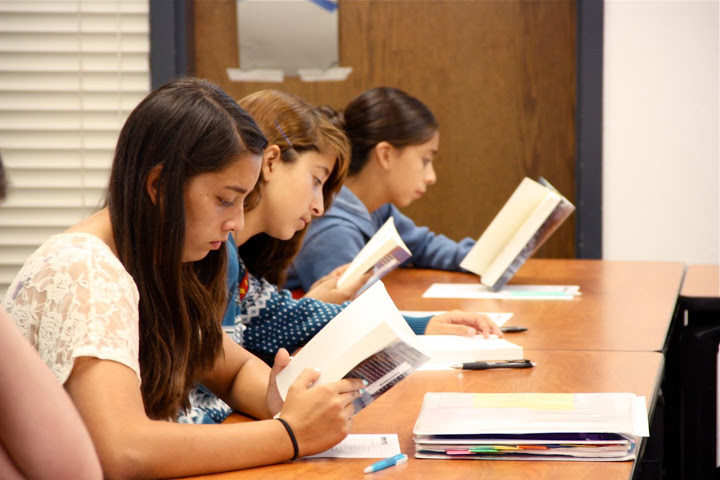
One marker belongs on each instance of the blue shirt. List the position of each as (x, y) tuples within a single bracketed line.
[(337, 237)]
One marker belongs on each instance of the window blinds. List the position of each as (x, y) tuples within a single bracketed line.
[(70, 73)]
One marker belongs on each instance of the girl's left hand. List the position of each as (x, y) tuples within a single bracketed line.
[(467, 324)]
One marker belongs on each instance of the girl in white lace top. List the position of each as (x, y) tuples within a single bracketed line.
[(126, 306)]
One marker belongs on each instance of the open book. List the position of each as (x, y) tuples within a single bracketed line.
[(527, 426), (531, 214), (369, 339), (457, 349), (382, 253)]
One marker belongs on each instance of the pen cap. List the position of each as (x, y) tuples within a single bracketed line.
[(404, 459)]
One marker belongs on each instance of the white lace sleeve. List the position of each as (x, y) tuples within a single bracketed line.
[(73, 298)]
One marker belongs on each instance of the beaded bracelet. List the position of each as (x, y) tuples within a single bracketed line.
[(292, 438)]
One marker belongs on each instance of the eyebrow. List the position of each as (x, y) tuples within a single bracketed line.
[(325, 169), (237, 189)]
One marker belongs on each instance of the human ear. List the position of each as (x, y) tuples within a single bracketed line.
[(271, 157), (151, 183), (384, 153)]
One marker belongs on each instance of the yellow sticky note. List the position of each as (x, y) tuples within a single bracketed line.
[(535, 401)]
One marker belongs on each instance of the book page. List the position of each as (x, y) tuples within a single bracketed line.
[(522, 237), (523, 201), (457, 349), (385, 241), (368, 325), (561, 212)]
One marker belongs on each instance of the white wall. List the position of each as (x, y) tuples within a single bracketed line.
[(661, 153)]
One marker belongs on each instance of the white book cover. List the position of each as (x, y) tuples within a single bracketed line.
[(369, 339), (382, 253), (529, 217), (457, 349)]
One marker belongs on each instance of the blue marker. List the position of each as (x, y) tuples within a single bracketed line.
[(398, 459)]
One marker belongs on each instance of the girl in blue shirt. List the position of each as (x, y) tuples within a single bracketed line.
[(394, 140)]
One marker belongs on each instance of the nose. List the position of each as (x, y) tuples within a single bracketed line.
[(235, 222), (430, 177), (317, 205)]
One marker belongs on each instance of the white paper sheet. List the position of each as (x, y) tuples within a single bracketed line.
[(509, 292), (364, 446)]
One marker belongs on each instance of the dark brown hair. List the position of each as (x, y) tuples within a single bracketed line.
[(383, 114), (190, 127), (296, 127)]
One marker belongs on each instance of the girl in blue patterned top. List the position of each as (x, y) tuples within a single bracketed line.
[(303, 167)]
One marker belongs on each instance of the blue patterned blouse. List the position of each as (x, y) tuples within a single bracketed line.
[(264, 319)]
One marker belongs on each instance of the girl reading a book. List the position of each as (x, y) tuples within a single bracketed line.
[(125, 306), (394, 139), (302, 168)]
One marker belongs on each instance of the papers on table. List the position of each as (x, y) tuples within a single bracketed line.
[(446, 350), (364, 446), (498, 318), (526, 426), (513, 292)]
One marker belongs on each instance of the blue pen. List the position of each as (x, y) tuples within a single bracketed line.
[(398, 459)]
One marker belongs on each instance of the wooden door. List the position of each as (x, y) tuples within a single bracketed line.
[(499, 75)]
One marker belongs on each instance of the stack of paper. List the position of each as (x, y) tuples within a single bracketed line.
[(530, 426)]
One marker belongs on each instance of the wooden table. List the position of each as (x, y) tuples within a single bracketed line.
[(606, 340), (557, 371), (624, 305), (701, 288)]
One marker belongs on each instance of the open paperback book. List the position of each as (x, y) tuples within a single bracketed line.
[(531, 214), (445, 350), (369, 339), (381, 254), (531, 426)]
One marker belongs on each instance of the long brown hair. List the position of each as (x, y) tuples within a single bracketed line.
[(190, 127), (296, 127)]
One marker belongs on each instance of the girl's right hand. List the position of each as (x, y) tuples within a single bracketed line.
[(326, 288), (321, 415)]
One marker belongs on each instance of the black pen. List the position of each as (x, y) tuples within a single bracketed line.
[(496, 364), (512, 329)]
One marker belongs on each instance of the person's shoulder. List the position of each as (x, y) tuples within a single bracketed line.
[(81, 248), (78, 255)]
